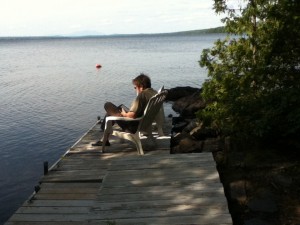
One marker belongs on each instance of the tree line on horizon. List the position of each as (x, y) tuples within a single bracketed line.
[(215, 30)]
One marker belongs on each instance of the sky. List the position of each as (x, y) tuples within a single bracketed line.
[(70, 17)]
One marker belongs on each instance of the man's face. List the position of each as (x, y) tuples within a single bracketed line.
[(138, 89)]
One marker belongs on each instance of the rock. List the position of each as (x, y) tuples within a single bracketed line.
[(188, 106), (187, 132), (201, 133), (193, 124), (256, 221), (179, 92), (282, 181), (211, 145), (179, 127), (177, 119), (175, 140), (238, 191), (178, 124), (263, 203), (186, 144), (219, 157)]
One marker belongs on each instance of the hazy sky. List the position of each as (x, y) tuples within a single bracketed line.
[(64, 17)]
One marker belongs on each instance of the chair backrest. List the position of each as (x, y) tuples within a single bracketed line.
[(153, 107), (161, 89), (160, 117)]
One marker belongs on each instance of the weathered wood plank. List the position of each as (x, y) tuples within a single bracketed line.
[(170, 165), (72, 179), (84, 160), (181, 220), (87, 158), (162, 181), (60, 203), (174, 220), (166, 159), (65, 196), (63, 190), (75, 166), (195, 186), (159, 203), (183, 196), (180, 210), (166, 172), (40, 217), (74, 176), (205, 217), (70, 185), (188, 220), (53, 210), (79, 173), (49, 223), (88, 162)]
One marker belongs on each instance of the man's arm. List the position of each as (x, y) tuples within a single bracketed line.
[(127, 114)]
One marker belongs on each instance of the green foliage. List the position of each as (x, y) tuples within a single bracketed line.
[(253, 88)]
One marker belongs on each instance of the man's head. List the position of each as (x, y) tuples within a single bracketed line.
[(141, 82)]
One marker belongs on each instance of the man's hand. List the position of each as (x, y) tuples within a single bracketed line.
[(123, 113), (127, 114)]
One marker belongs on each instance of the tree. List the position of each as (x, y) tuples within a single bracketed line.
[(253, 90)]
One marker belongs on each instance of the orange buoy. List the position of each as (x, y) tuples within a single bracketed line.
[(98, 66)]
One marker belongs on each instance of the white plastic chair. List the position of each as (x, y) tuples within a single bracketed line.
[(151, 113)]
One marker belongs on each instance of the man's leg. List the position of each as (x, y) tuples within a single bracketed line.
[(111, 110)]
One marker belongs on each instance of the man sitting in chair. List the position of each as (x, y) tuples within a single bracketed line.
[(142, 85)]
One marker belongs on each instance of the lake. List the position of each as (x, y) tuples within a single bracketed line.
[(51, 94)]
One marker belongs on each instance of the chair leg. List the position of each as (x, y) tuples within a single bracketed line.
[(106, 134), (160, 131), (136, 139), (139, 147), (105, 138), (151, 138)]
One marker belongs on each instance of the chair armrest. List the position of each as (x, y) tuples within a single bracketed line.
[(120, 118), (109, 119)]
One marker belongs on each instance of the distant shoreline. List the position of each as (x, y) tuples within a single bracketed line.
[(181, 33)]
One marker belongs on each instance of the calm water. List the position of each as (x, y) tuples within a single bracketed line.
[(51, 93)]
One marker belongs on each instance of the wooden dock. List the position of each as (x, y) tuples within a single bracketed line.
[(119, 187)]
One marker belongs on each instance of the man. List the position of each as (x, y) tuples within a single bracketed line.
[(142, 85)]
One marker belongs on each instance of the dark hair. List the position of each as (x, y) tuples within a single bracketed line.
[(142, 80)]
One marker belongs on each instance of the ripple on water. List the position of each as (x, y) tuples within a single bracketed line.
[(54, 94)]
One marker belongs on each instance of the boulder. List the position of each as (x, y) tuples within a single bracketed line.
[(202, 133), (186, 144), (238, 191), (175, 140), (188, 135), (265, 202), (179, 92), (212, 145), (187, 106)]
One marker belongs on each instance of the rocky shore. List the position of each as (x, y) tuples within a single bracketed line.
[(262, 186), (188, 135)]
